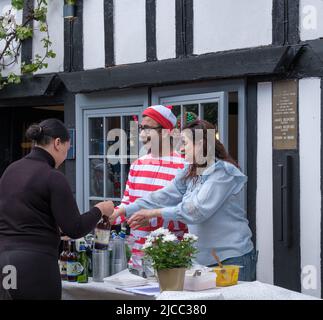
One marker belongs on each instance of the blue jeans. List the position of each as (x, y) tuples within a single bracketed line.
[(249, 264)]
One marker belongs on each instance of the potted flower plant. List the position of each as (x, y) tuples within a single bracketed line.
[(170, 257)]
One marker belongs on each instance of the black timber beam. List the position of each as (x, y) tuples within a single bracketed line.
[(73, 41), (286, 22), (27, 45), (231, 64), (40, 85)]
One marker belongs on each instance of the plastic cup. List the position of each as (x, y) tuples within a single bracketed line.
[(227, 276)]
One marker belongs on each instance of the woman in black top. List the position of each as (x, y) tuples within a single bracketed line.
[(35, 203)]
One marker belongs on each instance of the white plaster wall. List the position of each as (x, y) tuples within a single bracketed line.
[(56, 32), (264, 196), (165, 29), (5, 5), (231, 24), (93, 34), (311, 19), (130, 31), (310, 180)]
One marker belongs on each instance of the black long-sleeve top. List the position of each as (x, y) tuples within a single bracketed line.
[(35, 201)]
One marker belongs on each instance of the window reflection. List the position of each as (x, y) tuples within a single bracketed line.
[(96, 136), (96, 178), (211, 112), (113, 181)]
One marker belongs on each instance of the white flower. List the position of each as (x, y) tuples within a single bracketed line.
[(169, 238), (160, 232), (150, 238), (147, 245), (9, 16), (190, 236)]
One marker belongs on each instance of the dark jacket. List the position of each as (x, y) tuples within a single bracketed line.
[(35, 201)]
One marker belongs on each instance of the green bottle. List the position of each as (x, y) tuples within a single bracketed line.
[(83, 260)]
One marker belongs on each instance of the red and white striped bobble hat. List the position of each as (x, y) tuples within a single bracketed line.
[(162, 114)]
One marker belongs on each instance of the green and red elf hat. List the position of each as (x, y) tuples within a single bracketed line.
[(189, 117)]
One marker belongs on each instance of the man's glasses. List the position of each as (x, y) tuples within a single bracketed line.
[(147, 129)]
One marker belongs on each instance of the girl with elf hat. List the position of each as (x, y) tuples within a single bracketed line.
[(188, 118)]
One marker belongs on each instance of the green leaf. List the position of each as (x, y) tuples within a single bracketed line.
[(18, 4), (3, 33), (24, 33), (29, 68), (71, 2), (46, 42), (13, 78), (43, 27), (40, 14), (51, 54)]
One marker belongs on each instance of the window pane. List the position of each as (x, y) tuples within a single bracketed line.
[(96, 178), (96, 136), (233, 129), (126, 168), (112, 123), (192, 108), (130, 124), (211, 112), (113, 181), (177, 112)]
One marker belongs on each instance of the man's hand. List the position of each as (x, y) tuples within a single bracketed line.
[(142, 217), (106, 208)]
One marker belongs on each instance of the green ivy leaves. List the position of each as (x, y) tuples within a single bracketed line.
[(18, 4)]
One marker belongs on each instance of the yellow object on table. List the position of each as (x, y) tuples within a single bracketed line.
[(227, 276)]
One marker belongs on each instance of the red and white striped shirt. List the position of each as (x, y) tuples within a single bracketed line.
[(148, 174)]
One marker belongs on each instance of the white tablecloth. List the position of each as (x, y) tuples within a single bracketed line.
[(242, 291)]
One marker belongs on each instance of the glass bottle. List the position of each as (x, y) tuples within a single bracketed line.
[(84, 262), (63, 260), (72, 263), (102, 234)]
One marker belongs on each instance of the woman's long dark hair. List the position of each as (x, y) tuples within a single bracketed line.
[(49, 129), (219, 152)]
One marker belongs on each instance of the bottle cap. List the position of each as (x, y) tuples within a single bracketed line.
[(122, 234), (114, 235), (82, 245)]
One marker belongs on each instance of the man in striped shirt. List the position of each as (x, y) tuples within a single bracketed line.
[(152, 172)]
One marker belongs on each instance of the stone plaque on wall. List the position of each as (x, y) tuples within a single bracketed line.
[(285, 116)]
